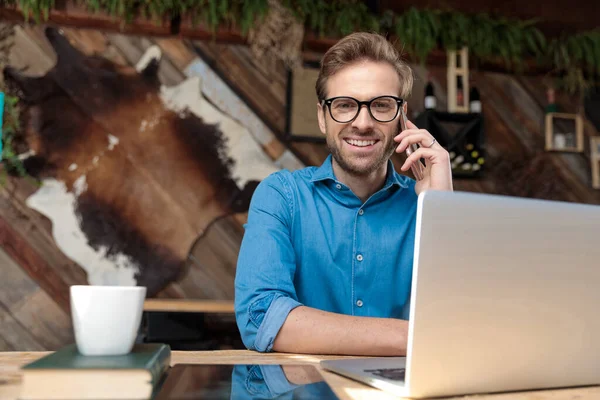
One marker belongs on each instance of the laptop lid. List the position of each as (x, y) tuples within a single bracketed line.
[(505, 296)]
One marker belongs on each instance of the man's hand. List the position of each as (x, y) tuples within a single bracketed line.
[(438, 172)]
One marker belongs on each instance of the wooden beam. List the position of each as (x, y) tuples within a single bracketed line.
[(78, 17), (554, 17)]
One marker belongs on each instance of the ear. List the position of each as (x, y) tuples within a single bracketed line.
[(321, 117), (405, 108)]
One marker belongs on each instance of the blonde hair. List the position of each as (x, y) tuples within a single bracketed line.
[(363, 46)]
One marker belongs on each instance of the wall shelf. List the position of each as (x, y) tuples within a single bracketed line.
[(462, 134), (564, 132)]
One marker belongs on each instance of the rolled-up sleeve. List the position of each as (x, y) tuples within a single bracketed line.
[(264, 282), (260, 382)]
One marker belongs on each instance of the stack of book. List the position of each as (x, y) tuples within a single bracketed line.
[(67, 374)]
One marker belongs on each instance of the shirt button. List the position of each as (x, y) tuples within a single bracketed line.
[(338, 186), (361, 211), (359, 257), (359, 303)]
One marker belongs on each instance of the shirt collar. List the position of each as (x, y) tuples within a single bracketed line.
[(325, 172)]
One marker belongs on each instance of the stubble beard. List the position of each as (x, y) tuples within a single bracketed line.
[(359, 170)]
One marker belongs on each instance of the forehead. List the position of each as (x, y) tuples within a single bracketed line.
[(364, 80)]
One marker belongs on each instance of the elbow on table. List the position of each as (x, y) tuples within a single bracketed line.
[(246, 329), (260, 323), (249, 325), (252, 337)]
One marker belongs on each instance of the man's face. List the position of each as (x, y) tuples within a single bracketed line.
[(363, 145)]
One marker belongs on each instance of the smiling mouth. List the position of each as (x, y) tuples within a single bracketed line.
[(360, 143)]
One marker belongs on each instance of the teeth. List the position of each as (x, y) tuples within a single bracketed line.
[(361, 143)]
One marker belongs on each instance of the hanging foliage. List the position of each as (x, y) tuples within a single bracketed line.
[(10, 160), (573, 58), (279, 36)]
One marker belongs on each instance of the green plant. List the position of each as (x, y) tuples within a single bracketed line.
[(11, 163), (577, 60), (487, 38), (574, 59), (419, 32), (9, 160)]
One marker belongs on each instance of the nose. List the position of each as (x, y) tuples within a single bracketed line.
[(363, 120)]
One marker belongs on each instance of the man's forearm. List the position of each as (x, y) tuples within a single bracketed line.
[(311, 331)]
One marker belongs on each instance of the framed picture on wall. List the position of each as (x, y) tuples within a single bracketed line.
[(564, 132), (301, 122)]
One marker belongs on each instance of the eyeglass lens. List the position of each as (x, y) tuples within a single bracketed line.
[(345, 109)]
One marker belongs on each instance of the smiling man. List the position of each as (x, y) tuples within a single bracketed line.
[(325, 266)]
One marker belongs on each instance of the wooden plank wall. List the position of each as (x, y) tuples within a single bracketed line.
[(30, 319)]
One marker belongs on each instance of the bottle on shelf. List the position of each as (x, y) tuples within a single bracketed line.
[(457, 161), (430, 100), (460, 96), (472, 162), (551, 106), (466, 166), (473, 152), (477, 165), (476, 156), (474, 99)]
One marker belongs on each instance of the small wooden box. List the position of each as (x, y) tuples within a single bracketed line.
[(595, 161), (564, 132), (458, 66)]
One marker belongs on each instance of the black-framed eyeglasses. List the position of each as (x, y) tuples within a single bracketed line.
[(344, 109)]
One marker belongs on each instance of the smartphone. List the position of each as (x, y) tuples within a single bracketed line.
[(417, 168)]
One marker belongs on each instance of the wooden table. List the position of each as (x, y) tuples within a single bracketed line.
[(346, 389), (187, 305)]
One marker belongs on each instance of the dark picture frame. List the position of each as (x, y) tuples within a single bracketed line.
[(301, 123)]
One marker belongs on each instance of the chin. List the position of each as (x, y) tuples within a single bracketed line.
[(359, 167)]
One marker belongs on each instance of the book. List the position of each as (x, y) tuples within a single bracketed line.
[(67, 374)]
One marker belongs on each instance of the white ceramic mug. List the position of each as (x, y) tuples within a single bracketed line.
[(106, 319)]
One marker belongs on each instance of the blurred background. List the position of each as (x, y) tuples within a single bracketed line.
[(134, 134)]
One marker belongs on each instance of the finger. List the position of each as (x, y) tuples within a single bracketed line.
[(423, 152), (410, 132), (423, 138), (410, 125)]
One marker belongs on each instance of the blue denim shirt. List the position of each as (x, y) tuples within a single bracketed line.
[(310, 241)]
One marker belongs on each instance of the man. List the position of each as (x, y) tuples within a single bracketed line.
[(325, 265)]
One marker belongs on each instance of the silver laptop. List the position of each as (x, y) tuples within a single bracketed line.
[(505, 297)]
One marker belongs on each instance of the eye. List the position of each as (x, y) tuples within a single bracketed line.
[(344, 105), (382, 105)]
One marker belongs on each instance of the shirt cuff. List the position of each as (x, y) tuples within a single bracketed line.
[(276, 380), (272, 322)]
